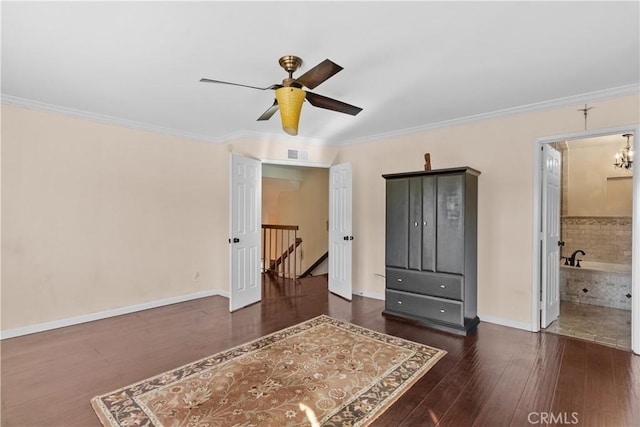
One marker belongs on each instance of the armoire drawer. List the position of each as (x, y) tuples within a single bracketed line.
[(419, 305), (433, 284)]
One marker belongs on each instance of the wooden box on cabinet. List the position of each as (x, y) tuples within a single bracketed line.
[(431, 248)]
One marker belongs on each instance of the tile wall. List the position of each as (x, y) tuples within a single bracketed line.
[(603, 239), (602, 288)]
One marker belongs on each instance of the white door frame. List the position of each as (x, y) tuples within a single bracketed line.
[(309, 165), (537, 212), (259, 206)]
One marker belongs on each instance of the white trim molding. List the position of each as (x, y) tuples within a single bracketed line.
[(504, 322), (148, 127), (229, 138), (368, 294), (302, 163), (103, 118), (46, 326), (635, 257), (631, 89)]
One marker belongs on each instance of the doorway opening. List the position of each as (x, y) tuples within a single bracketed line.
[(596, 213), (295, 226), (245, 237), (588, 283)]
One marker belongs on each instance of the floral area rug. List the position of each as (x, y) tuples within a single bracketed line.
[(320, 372)]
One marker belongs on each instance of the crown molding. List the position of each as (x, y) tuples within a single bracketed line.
[(103, 118), (225, 139), (132, 124), (538, 106)]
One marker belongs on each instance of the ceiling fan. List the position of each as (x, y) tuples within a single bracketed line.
[(290, 95)]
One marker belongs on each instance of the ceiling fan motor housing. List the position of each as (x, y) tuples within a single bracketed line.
[(290, 63)]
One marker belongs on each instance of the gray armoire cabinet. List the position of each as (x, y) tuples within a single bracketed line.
[(431, 248)]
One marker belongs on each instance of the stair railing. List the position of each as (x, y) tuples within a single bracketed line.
[(280, 250)]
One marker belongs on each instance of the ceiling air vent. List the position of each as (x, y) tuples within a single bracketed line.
[(297, 154)]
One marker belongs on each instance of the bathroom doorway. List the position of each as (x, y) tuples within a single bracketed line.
[(598, 228), (596, 212)]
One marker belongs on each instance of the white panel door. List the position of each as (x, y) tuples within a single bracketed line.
[(550, 275), (340, 230), (246, 189)]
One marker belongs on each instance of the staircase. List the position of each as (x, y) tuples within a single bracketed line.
[(315, 265), (275, 264), (280, 250)]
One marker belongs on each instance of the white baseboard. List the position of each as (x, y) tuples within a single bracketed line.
[(483, 317), (504, 322), (41, 327), (368, 294)]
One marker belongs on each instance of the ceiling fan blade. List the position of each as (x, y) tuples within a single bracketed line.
[(332, 104), (238, 84), (319, 74), (270, 111)]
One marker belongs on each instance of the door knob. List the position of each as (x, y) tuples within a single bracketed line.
[(236, 240)]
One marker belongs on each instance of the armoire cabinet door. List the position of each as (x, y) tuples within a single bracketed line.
[(429, 223), (415, 223), (397, 227), (450, 224)]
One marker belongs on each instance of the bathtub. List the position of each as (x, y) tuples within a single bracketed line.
[(597, 283)]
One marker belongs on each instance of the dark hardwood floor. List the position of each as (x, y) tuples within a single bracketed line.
[(496, 377)]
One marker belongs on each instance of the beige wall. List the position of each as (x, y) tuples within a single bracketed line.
[(503, 150), (594, 186), (308, 207), (276, 150), (97, 217)]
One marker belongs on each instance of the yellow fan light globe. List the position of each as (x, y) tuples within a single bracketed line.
[(290, 101)]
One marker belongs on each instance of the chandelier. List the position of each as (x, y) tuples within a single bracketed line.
[(624, 158)]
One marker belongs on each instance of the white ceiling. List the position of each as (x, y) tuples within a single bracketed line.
[(407, 64)]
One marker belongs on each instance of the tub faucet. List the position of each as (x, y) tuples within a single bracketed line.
[(572, 259)]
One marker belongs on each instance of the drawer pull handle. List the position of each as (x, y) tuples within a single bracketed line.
[(442, 286), (400, 280), (415, 224), (400, 302), (442, 310)]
